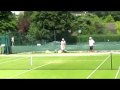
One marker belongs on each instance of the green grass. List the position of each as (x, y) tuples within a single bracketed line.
[(59, 66), (54, 62), (58, 74), (116, 61)]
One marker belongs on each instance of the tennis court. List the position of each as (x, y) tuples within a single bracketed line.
[(61, 66)]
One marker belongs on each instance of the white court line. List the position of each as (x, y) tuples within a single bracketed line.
[(6, 59), (29, 70), (88, 60), (73, 60), (81, 60), (97, 68), (11, 60), (117, 73), (60, 54)]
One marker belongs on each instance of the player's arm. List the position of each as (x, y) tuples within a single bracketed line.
[(94, 42)]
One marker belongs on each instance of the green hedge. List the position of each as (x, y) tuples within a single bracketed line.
[(99, 38)]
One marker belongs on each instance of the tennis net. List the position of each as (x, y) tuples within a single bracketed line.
[(67, 61)]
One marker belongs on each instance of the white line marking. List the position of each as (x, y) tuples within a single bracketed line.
[(6, 59), (117, 73), (57, 54), (73, 60), (97, 67), (29, 70), (10, 60)]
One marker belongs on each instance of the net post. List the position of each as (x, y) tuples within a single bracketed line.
[(111, 59)]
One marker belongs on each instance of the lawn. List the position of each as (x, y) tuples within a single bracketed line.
[(60, 66)]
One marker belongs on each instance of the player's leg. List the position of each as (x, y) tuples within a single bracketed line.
[(62, 48), (91, 48)]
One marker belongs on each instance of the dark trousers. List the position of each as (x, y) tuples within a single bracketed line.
[(91, 48)]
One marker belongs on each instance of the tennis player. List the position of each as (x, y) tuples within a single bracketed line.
[(63, 44), (91, 43)]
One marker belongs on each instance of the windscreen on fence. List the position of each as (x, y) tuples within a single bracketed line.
[(55, 47)]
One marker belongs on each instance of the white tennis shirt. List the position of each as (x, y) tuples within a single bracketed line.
[(91, 42), (63, 43)]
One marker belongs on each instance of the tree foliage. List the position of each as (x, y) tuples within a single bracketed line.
[(90, 24), (7, 22), (53, 25), (49, 24), (23, 23)]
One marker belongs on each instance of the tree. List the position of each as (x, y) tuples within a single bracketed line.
[(48, 24), (114, 14), (118, 27), (100, 13), (90, 23), (37, 34), (23, 23), (7, 22), (109, 19)]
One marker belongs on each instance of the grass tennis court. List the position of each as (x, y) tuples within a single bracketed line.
[(60, 66)]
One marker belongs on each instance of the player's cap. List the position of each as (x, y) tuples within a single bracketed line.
[(62, 38), (90, 37)]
